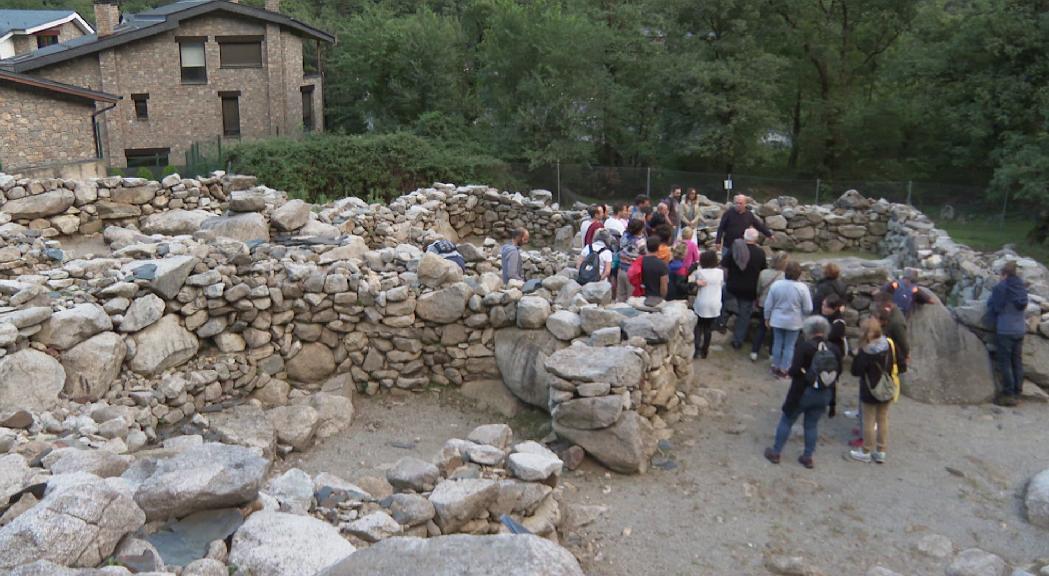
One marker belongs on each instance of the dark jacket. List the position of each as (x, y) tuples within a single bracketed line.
[(744, 283), (1006, 307), (798, 382), (897, 330), (824, 288), (869, 364), (837, 332), (733, 225)]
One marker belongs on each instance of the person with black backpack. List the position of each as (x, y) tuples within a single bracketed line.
[(876, 366), (595, 262), (814, 374)]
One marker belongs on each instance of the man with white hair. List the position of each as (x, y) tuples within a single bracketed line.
[(744, 262), (735, 221)]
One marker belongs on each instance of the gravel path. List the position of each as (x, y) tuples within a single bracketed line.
[(722, 509)]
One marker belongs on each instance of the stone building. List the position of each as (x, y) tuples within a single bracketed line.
[(28, 103), (24, 31), (191, 71)]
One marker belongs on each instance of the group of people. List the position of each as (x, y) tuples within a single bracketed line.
[(653, 254)]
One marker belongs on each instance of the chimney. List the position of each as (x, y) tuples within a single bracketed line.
[(107, 16), (273, 5)]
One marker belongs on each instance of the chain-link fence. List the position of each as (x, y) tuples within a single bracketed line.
[(587, 184)]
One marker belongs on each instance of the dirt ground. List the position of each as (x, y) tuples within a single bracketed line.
[(721, 509)]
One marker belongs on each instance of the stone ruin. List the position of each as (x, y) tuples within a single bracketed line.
[(149, 389)]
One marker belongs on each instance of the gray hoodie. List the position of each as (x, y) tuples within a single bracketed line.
[(510, 255)]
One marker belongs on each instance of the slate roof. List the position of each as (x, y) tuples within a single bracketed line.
[(56, 87), (150, 23), (19, 20)]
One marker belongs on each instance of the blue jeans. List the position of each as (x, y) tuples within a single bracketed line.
[(812, 404), (744, 310), (760, 338), (1009, 352), (783, 342)]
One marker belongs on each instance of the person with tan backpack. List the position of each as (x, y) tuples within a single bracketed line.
[(876, 366)]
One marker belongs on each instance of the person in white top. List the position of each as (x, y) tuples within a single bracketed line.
[(602, 240), (618, 220), (710, 279)]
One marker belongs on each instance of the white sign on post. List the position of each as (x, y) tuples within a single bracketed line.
[(728, 184)]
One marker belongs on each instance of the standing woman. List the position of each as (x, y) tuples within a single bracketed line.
[(786, 307), (766, 279), (690, 214), (710, 279), (877, 356)]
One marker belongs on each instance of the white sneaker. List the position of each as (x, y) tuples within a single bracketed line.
[(860, 455), (753, 356), (878, 457), (851, 413)]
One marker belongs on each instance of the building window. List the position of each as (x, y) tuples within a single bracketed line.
[(194, 68), (240, 51), (45, 40), (141, 106), (307, 108), (311, 58), (230, 113), (146, 157)]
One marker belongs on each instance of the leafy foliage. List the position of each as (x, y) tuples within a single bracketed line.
[(373, 167)]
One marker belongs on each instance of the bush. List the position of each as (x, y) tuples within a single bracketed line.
[(372, 166), (168, 171), (145, 173)]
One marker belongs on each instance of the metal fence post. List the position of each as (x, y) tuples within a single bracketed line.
[(648, 181), (909, 187), (1005, 208), (817, 191), (558, 182)]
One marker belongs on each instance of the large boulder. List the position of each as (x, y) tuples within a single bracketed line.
[(295, 425), (461, 555), (164, 344), (207, 476), (456, 502), (616, 365), (279, 544), (40, 205), (175, 222), (353, 248), (313, 363), (1036, 360), (589, 413), (434, 271), (246, 226), (245, 425), (444, 306), (70, 327), (30, 380), (532, 312), (165, 275), (949, 364), (1037, 500), (292, 215), (142, 313), (521, 357), (624, 447), (247, 201), (78, 524), (92, 366)]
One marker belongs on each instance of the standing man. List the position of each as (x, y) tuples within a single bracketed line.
[(673, 203), (597, 222), (655, 274), (640, 203), (743, 265), (1006, 308), (617, 220), (510, 256), (734, 222)]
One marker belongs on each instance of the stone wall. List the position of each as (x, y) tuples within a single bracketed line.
[(23, 111)]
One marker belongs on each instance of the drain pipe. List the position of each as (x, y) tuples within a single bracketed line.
[(94, 128)]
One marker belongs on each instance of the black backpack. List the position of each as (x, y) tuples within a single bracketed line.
[(590, 269), (823, 369)]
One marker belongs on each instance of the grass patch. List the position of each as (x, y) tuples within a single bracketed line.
[(993, 236)]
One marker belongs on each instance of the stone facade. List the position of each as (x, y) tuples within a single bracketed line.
[(23, 143), (179, 114)]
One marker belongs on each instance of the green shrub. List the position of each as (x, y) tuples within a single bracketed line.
[(372, 166), (168, 171), (144, 172)]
